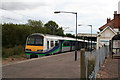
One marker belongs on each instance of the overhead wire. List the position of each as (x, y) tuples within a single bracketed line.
[(24, 16)]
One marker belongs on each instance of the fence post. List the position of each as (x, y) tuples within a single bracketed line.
[(82, 64)]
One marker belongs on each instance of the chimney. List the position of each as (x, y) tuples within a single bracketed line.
[(119, 7), (115, 12), (108, 20), (116, 20)]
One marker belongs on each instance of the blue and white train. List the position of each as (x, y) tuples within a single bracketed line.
[(43, 44)]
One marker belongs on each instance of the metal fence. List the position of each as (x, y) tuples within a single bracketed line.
[(99, 56)]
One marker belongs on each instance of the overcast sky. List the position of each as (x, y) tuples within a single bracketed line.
[(94, 12)]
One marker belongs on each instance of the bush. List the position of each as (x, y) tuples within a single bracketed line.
[(91, 65), (6, 52), (17, 50)]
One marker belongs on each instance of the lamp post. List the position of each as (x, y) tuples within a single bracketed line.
[(76, 28), (91, 34)]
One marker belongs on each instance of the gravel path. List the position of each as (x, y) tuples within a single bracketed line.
[(110, 68)]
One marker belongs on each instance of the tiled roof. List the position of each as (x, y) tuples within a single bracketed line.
[(114, 23), (110, 24)]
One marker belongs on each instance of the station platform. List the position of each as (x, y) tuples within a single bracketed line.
[(55, 66)]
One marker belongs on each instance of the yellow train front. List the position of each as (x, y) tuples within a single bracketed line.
[(40, 45), (34, 45)]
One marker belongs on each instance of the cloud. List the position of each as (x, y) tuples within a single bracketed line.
[(93, 12), (20, 5)]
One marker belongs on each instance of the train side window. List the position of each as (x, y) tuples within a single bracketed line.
[(73, 43), (66, 43), (52, 43), (56, 43)]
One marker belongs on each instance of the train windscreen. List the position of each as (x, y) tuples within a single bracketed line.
[(35, 40)]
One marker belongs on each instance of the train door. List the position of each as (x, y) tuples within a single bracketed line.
[(47, 45), (70, 45), (60, 45)]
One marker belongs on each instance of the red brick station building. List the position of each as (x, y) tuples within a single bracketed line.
[(108, 30)]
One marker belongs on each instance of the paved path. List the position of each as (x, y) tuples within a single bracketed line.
[(110, 68), (55, 66)]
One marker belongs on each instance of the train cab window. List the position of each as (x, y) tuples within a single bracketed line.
[(35, 40), (56, 43), (30, 41), (52, 43), (39, 41)]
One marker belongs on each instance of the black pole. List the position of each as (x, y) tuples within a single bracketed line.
[(91, 38), (76, 40), (76, 30)]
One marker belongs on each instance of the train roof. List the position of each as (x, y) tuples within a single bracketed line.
[(56, 37), (59, 37)]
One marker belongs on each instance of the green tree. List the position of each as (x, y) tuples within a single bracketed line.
[(60, 32), (16, 34), (53, 26), (70, 35), (35, 23)]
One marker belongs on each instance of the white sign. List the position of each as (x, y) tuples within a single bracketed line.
[(116, 43), (104, 42)]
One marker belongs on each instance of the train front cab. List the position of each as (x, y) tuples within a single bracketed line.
[(34, 45)]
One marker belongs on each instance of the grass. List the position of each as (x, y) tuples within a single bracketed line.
[(13, 54)]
